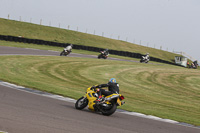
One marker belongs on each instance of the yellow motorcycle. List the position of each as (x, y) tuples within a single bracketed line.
[(107, 107)]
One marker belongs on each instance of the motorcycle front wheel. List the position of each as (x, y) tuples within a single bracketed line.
[(81, 103)]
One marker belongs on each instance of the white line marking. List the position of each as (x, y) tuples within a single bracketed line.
[(52, 51), (11, 85), (32, 48)]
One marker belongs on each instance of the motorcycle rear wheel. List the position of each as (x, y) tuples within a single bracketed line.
[(99, 56), (81, 103), (110, 111)]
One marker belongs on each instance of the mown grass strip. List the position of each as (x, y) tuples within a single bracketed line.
[(165, 91)]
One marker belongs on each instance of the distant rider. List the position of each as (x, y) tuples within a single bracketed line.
[(113, 87), (146, 57), (105, 52), (69, 48), (195, 64)]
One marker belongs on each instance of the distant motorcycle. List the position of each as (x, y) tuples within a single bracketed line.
[(65, 52), (193, 65), (103, 55), (144, 59)]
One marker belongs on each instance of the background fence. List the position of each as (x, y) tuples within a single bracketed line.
[(81, 47)]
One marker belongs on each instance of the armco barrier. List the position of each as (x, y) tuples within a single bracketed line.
[(1, 37), (81, 47)]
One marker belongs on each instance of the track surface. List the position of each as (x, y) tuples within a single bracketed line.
[(27, 51), (23, 112)]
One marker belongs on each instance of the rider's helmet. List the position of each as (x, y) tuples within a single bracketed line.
[(147, 53), (112, 80), (71, 45)]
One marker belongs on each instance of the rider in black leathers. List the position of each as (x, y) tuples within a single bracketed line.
[(106, 52), (113, 87)]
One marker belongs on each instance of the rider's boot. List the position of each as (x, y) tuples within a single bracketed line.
[(99, 99)]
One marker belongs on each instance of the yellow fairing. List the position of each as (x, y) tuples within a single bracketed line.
[(119, 102), (90, 98)]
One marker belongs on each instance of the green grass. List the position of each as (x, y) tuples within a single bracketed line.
[(165, 91), (34, 31)]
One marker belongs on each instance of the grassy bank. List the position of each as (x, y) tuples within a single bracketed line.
[(165, 91), (34, 31)]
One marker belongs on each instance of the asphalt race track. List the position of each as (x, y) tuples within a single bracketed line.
[(28, 51), (26, 112)]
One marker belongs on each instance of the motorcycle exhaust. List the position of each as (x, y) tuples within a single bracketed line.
[(112, 97)]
